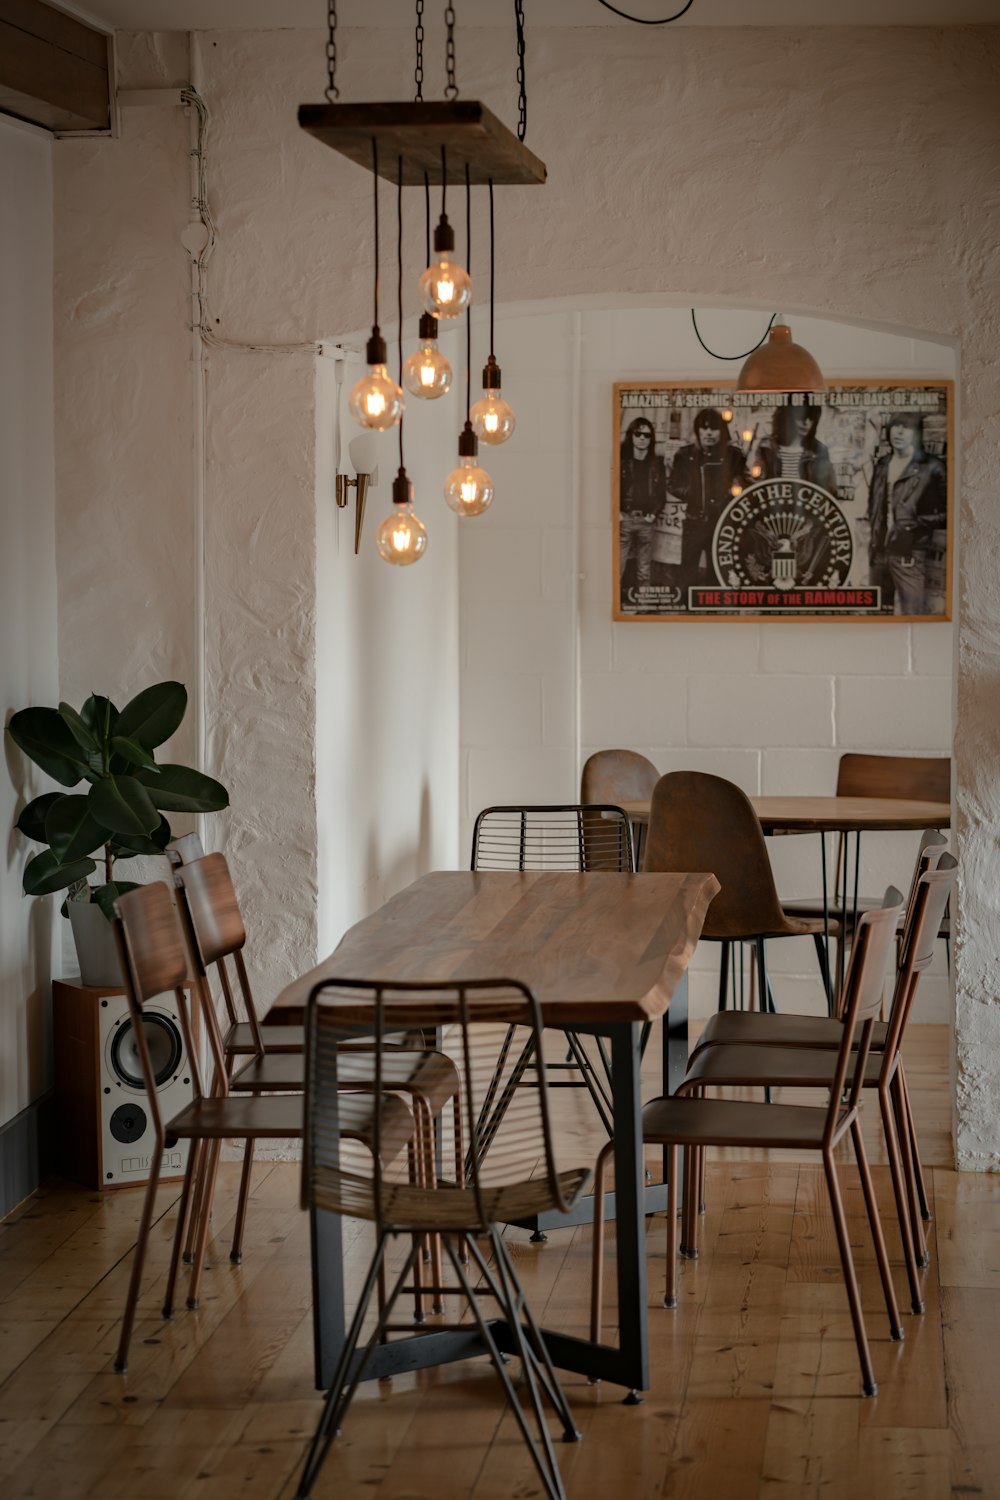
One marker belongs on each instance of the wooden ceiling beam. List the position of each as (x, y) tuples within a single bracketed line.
[(55, 71)]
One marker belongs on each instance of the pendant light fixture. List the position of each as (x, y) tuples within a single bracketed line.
[(492, 417), (427, 373), (445, 286), (468, 489), (402, 537), (376, 401), (777, 366)]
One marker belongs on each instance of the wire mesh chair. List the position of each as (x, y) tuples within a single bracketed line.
[(574, 836), (684, 1120), (518, 1177)]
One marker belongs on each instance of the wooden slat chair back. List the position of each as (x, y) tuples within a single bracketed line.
[(566, 836), (509, 1172)]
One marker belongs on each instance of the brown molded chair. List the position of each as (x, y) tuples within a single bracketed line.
[(425, 1076), (618, 776), (921, 778), (154, 959), (683, 1120), (740, 1033), (702, 822), (516, 1177)]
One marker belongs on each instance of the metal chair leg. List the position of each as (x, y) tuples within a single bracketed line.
[(875, 1223), (236, 1249), (142, 1238), (899, 1193), (670, 1287), (597, 1257), (850, 1278)]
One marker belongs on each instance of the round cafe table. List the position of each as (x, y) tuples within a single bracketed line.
[(823, 815)]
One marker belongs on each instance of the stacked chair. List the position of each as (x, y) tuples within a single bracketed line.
[(618, 776), (516, 1178)]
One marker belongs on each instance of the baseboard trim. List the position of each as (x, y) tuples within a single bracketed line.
[(26, 1151)]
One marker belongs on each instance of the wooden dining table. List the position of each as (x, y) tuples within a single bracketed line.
[(604, 954)]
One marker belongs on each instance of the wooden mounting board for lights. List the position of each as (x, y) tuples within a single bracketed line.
[(470, 133)]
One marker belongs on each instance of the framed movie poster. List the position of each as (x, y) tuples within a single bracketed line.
[(759, 506)]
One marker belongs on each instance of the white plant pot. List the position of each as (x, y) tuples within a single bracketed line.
[(94, 937)]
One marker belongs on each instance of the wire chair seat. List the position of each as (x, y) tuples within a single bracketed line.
[(404, 1208)]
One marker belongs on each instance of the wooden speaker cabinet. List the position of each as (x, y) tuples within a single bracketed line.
[(105, 1130)]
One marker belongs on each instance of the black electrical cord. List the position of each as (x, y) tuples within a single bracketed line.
[(492, 266), (399, 289), (468, 315), (712, 352), (375, 180), (444, 180), (427, 214), (643, 20)]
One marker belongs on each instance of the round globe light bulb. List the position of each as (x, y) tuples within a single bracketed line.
[(445, 287), (468, 489), (402, 537), (492, 418), (377, 401), (427, 373)]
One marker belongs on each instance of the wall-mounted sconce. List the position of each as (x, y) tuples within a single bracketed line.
[(364, 458)]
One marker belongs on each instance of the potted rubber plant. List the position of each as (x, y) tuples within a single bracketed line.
[(118, 814)]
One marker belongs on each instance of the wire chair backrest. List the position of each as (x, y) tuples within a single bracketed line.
[(617, 776), (703, 822), (864, 984), (569, 836), (506, 1148), (154, 960)]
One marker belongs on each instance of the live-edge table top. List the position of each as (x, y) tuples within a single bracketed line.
[(594, 947)]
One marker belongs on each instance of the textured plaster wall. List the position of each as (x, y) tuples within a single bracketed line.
[(28, 604), (852, 175)]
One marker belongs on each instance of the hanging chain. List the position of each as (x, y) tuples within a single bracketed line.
[(522, 93), (332, 91), (418, 71), (451, 89)]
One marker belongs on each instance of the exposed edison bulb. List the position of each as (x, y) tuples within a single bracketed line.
[(727, 414), (492, 417), (747, 434), (468, 489), (376, 401), (756, 471), (427, 373), (445, 286), (402, 537), (735, 489)]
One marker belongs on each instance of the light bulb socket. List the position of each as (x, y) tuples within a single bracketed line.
[(375, 350), (444, 235), (427, 328), (402, 488), (491, 374), (468, 443)]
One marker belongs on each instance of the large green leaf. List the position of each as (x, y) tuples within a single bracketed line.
[(123, 806), (107, 895), (79, 729), (179, 789), (100, 715), (154, 714), (45, 736), (131, 752), (137, 844), (44, 873), (32, 819), (72, 830)]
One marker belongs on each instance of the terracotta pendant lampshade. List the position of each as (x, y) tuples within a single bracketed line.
[(780, 365)]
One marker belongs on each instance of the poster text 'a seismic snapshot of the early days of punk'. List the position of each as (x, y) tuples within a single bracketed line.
[(835, 504)]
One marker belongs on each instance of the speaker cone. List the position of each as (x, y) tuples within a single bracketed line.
[(165, 1051), (127, 1123)]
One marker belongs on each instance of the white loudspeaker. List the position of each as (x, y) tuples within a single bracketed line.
[(106, 1126)]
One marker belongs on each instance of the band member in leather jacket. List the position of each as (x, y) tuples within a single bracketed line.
[(704, 475), (642, 495), (907, 503), (793, 451)]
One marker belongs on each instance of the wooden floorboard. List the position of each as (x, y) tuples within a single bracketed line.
[(755, 1386)]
